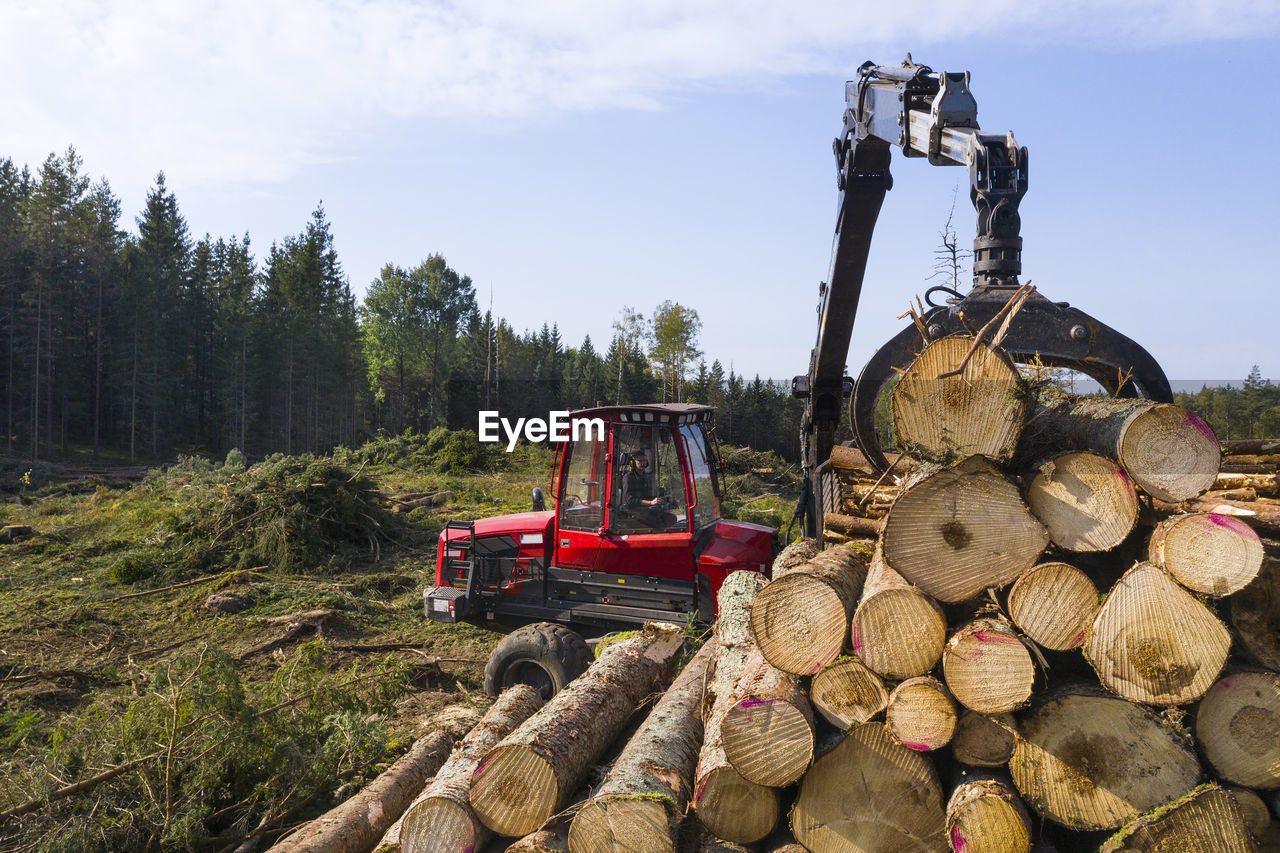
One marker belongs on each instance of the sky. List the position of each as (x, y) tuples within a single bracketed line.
[(577, 156)]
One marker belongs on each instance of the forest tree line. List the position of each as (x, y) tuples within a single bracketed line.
[(144, 344)]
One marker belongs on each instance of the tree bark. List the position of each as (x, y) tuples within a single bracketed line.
[(1206, 819), (1169, 452), (979, 409), (988, 668), (355, 825), (1153, 642), (1213, 554), (1086, 501), (533, 771), (896, 630), (847, 693), (984, 741), (956, 531), (1090, 761), (731, 807), (440, 819), (856, 798), (1259, 515), (1054, 604), (987, 815), (1251, 446), (1262, 485), (768, 730), (642, 800), (851, 525), (1238, 727), (800, 621), (921, 714)]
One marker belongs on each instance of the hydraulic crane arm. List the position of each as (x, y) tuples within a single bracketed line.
[(935, 116)]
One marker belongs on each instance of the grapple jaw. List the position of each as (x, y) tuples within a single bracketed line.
[(1051, 333)]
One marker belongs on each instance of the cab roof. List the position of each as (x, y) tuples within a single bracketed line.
[(648, 413)]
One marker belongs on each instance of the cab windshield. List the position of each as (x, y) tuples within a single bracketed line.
[(647, 495)]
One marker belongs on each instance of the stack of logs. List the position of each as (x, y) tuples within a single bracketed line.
[(1017, 643)]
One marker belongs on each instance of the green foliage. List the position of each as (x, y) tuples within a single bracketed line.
[(297, 739), (1250, 411)]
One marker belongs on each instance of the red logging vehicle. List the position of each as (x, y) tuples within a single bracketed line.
[(635, 535)]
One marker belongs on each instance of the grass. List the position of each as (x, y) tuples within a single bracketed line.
[(108, 653)]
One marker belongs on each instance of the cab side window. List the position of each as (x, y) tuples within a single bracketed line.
[(581, 504)]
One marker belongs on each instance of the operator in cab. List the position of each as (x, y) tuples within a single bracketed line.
[(638, 496)]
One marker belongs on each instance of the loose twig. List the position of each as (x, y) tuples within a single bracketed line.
[(1005, 317)]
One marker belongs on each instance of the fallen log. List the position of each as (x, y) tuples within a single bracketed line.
[(855, 798), (921, 714), (1238, 727), (1054, 604), (1169, 452), (954, 532), (642, 800), (1258, 515), (355, 825), (1242, 446), (851, 525), (731, 807), (1090, 761), (1264, 485), (800, 621), (1085, 501), (1206, 819), (440, 819), (987, 667), (846, 693), (1213, 554), (768, 730), (986, 815), (1153, 642), (532, 772), (960, 397)]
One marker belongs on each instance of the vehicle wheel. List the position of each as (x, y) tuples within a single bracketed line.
[(543, 655)]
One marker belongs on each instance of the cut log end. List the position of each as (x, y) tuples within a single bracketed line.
[(961, 530), (1255, 615), (898, 633), (984, 741), (622, 824), (1171, 453), (921, 714), (986, 816), (514, 790), (1209, 553), (978, 410), (1208, 818), (1153, 642), (1065, 761), (987, 667), (1238, 727), (1054, 604), (847, 693), (769, 741), (800, 621), (438, 826), (1086, 502), (734, 809)]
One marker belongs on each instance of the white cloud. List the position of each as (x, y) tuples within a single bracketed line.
[(251, 90)]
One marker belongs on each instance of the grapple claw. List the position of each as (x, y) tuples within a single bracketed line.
[(1052, 332)]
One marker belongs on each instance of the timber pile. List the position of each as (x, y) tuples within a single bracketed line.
[(1048, 645)]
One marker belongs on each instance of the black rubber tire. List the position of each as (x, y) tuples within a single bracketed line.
[(545, 655)]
